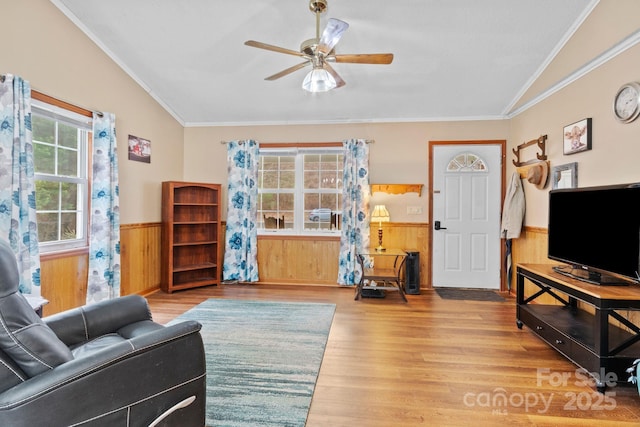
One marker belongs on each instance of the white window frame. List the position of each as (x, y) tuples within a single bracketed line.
[(299, 191), (84, 124)]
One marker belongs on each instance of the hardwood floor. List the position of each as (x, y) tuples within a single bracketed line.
[(432, 362)]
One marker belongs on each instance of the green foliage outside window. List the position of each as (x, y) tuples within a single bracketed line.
[(60, 178)]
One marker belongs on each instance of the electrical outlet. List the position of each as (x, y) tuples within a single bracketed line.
[(414, 210)]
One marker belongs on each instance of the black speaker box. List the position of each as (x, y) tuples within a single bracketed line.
[(412, 273)]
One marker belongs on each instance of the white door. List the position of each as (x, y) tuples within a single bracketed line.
[(467, 184)]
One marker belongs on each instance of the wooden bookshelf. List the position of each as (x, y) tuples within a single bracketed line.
[(191, 233)]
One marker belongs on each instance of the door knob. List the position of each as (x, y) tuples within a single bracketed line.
[(438, 227)]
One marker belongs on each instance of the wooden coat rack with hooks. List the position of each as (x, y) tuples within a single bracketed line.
[(542, 144)]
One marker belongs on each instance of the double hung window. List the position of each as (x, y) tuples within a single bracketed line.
[(300, 190), (61, 140)]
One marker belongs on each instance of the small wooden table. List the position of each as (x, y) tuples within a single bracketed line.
[(381, 278)]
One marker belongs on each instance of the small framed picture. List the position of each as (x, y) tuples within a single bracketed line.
[(565, 176), (139, 149), (577, 136)]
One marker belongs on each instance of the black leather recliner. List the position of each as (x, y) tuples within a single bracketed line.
[(105, 364)]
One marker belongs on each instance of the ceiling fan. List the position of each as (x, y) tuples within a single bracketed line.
[(319, 51)]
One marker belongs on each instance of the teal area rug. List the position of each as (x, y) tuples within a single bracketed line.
[(263, 359)]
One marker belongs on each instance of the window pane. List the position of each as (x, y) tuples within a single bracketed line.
[(311, 168), (287, 179), (268, 202), (67, 162), (466, 162), (47, 196), (311, 179), (311, 161), (287, 163), (286, 201), (319, 219), (67, 135), (269, 163), (69, 196), (323, 171), (274, 203), (44, 158), (328, 179), (311, 201), (47, 227), (68, 226), (329, 201), (43, 130), (268, 180), (322, 200)]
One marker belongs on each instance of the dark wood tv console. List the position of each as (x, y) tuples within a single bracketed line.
[(595, 334)]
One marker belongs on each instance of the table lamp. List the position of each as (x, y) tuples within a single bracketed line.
[(380, 214)]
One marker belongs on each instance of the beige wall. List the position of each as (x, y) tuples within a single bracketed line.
[(60, 61), (616, 147), (609, 22), (399, 154)]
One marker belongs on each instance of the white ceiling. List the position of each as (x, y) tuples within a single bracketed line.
[(453, 59)]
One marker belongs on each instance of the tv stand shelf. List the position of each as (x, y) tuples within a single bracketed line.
[(584, 333)]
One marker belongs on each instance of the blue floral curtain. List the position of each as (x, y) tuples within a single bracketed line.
[(104, 235), (18, 223), (241, 251), (355, 210)]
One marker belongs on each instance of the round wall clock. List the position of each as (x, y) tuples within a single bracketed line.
[(626, 104)]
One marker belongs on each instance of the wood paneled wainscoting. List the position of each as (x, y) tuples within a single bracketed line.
[(298, 259), (314, 259), (63, 280), (140, 258), (281, 259), (530, 248), (410, 237), (64, 275)]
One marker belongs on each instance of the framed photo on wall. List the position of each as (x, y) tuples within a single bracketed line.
[(139, 149), (577, 137), (565, 176)]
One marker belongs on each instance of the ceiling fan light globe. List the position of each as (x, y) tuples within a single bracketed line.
[(331, 35), (318, 80)]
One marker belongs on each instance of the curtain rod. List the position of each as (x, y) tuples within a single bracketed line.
[(40, 96), (43, 97), (367, 141)]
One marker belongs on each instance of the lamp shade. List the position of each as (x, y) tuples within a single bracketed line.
[(318, 80), (380, 214)]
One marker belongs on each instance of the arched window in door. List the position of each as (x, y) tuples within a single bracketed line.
[(467, 162)]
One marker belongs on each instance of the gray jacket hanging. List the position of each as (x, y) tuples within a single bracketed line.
[(513, 209)]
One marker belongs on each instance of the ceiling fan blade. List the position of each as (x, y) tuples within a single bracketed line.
[(338, 79), (364, 58), (273, 48), (331, 35), (288, 71)]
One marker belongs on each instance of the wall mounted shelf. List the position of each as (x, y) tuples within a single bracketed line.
[(397, 188), (540, 143)]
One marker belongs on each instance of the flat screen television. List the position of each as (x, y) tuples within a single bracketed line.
[(596, 231)]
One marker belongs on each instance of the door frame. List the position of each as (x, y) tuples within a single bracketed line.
[(503, 145)]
